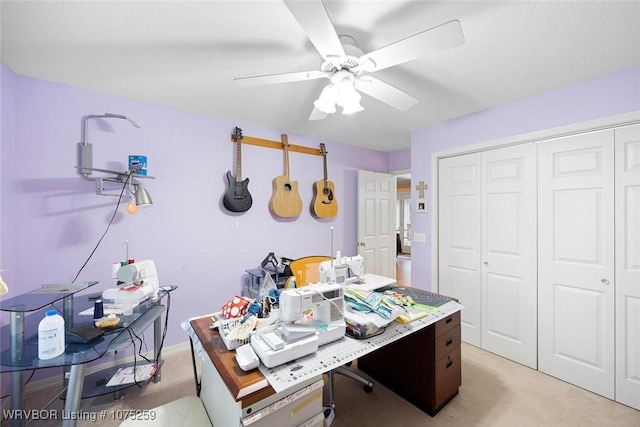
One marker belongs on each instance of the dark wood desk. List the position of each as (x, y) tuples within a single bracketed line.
[(424, 367)]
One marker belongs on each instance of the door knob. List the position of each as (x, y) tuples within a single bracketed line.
[(605, 281), (486, 263)]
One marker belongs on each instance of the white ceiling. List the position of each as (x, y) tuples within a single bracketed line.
[(186, 54)]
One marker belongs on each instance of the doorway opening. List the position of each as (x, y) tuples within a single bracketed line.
[(403, 215)]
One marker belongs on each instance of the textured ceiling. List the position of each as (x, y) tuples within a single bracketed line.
[(186, 55)]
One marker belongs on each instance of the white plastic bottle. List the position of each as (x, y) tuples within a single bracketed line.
[(51, 335)]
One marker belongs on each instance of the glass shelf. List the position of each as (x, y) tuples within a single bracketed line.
[(38, 299), (26, 357)]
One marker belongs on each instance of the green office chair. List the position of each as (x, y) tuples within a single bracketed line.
[(305, 271)]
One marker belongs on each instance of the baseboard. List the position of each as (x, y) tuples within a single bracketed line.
[(54, 381)]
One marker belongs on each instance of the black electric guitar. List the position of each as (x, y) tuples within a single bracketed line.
[(325, 204), (237, 197)]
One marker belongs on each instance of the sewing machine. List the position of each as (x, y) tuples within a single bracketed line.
[(335, 271), (312, 316), (139, 282)]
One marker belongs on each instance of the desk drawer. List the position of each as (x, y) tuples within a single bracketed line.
[(447, 342), (448, 378), (447, 323)]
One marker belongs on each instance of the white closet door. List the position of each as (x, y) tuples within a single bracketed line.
[(576, 263), (628, 265), (459, 272), (509, 244)]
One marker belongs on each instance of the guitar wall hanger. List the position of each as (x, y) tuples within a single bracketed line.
[(276, 144)]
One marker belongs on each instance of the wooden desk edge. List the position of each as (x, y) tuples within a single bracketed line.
[(224, 361)]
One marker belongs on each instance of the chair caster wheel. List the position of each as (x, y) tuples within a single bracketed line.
[(368, 388)]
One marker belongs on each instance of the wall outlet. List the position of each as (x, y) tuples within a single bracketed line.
[(420, 237)]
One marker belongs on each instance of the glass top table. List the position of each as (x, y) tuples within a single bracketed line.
[(22, 335), (22, 331)]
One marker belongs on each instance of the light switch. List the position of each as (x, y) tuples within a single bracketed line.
[(419, 237)]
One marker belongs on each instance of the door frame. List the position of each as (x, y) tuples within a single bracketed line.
[(400, 197), (556, 132)]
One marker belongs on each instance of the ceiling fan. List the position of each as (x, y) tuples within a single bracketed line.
[(347, 68)]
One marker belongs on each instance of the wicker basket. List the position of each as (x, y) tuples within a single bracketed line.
[(225, 326)]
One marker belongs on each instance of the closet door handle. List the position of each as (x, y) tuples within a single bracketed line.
[(605, 281), (486, 263)]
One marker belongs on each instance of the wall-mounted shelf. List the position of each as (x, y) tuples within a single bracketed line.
[(276, 144)]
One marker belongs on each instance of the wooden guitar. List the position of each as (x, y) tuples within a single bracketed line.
[(325, 204), (237, 197), (285, 201)]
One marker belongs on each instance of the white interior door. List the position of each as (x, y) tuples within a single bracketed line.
[(576, 263), (509, 244), (628, 265), (377, 223), (459, 248)]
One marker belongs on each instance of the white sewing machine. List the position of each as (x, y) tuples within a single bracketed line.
[(140, 281), (312, 316), (336, 270)]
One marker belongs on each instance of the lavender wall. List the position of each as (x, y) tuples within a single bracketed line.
[(605, 96), (195, 243), (7, 97), (400, 160)]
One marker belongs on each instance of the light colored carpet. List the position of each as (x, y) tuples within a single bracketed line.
[(495, 392)]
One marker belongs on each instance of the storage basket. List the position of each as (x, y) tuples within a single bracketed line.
[(225, 326)]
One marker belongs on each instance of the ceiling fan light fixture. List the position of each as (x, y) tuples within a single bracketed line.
[(351, 105), (326, 102), (348, 97)]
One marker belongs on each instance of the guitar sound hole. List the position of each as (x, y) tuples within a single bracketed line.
[(287, 187)]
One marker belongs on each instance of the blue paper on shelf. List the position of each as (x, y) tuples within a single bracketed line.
[(138, 164)]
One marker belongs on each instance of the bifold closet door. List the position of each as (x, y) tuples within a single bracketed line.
[(487, 247), (459, 247), (576, 260), (628, 265), (509, 243)]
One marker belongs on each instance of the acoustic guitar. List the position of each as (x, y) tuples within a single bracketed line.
[(325, 204), (285, 201), (237, 197)]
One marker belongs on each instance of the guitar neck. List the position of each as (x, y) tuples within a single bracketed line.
[(324, 158), (285, 146), (238, 161)]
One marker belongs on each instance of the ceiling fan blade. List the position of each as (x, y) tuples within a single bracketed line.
[(317, 115), (386, 93), (271, 79), (314, 20), (445, 36)]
